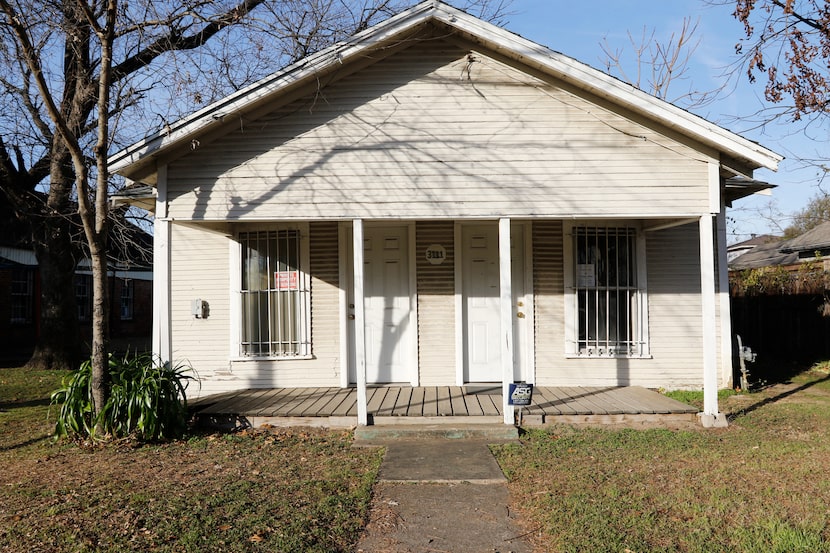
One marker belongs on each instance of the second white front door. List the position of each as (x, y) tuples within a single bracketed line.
[(480, 302)]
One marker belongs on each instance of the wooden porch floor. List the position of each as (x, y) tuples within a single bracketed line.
[(430, 404)]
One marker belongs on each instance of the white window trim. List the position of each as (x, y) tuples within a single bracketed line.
[(24, 300), (235, 250), (83, 301), (571, 300), (127, 284)]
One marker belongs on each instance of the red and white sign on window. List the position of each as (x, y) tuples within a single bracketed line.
[(287, 280)]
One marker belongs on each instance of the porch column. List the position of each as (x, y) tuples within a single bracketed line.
[(359, 323), (710, 416), (506, 311), (162, 349), (724, 303)]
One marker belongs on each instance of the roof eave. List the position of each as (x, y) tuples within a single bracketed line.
[(611, 88), (133, 161), (128, 161)]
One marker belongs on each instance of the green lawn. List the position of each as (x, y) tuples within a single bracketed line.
[(760, 485), (299, 490)]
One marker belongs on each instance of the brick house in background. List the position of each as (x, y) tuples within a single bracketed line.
[(130, 286)]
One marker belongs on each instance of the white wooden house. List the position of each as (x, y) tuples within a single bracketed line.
[(438, 201)]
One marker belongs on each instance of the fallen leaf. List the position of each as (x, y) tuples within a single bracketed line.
[(256, 538)]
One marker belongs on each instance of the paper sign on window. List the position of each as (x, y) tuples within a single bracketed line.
[(585, 275), (287, 280)]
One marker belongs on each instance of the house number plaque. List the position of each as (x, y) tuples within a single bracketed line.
[(436, 254)]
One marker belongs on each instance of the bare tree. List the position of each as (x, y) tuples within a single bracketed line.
[(76, 69), (56, 53), (659, 67)]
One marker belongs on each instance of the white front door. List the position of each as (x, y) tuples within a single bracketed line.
[(480, 302), (387, 306)]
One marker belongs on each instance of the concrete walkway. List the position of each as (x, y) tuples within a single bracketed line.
[(438, 495)]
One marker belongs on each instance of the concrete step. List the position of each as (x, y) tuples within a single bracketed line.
[(490, 433)]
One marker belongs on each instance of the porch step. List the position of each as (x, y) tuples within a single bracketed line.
[(379, 433)]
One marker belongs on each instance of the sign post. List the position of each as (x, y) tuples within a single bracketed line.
[(521, 394)]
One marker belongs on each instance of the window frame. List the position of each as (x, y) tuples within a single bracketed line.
[(21, 302), (640, 330), (304, 339), (127, 285), (83, 283)]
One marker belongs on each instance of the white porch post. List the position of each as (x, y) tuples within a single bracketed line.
[(161, 343), (710, 416), (359, 325), (724, 304), (506, 311)]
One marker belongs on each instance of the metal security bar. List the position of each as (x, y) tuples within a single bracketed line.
[(275, 296), (606, 290)]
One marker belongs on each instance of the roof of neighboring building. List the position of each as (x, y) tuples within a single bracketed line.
[(17, 257), (757, 240), (784, 252), (816, 238), (763, 255)]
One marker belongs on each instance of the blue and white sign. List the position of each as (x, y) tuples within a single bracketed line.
[(520, 393)]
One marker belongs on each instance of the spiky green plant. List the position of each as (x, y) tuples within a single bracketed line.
[(147, 400)]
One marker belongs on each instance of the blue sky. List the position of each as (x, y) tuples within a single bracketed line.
[(578, 28)]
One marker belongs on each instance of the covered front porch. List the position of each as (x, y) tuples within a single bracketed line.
[(337, 407)]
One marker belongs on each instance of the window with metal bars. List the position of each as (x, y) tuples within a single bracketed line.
[(275, 298), (607, 293)]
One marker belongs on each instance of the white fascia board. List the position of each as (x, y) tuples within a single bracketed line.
[(245, 98), (510, 44), (605, 86)]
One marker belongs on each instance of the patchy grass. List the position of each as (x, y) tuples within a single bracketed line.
[(695, 397), (759, 485), (278, 490)]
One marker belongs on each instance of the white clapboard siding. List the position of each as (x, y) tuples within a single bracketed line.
[(673, 307), (549, 302), (425, 133), (323, 368), (436, 305), (200, 268)]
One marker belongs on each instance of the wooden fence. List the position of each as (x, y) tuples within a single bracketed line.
[(783, 327)]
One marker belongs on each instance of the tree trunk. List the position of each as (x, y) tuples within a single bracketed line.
[(59, 345), (100, 327)]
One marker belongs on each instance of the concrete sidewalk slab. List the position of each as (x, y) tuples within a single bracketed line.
[(448, 461), (441, 495), (440, 518)]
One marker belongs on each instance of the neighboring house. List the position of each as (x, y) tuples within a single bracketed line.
[(739, 248), (781, 297), (131, 292), (438, 201), (813, 245)]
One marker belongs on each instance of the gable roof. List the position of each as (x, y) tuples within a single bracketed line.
[(817, 238), (786, 252), (742, 156)]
